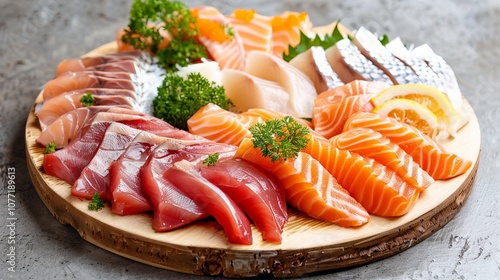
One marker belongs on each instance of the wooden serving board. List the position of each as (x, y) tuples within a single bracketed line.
[(308, 245)]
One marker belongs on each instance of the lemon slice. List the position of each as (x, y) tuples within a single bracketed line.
[(432, 98), (410, 112)]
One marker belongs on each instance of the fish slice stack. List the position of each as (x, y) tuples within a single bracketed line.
[(97, 113)]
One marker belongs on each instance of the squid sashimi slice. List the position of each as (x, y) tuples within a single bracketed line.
[(333, 107), (257, 192), (78, 80), (372, 48), (80, 64), (309, 187), (125, 191), (172, 208), (433, 158), (299, 87), (286, 30), (247, 91), (217, 124), (94, 178), (186, 176), (350, 64), (55, 107), (254, 29), (379, 189), (230, 53), (371, 144)]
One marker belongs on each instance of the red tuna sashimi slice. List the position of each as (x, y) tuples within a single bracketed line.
[(55, 107), (125, 188), (94, 178), (374, 145), (172, 208), (256, 191), (186, 176), (78, 80)]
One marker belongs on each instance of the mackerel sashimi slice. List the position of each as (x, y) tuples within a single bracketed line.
[(186, 176), (257, 192), (94, 178), (172, 208), (309, 187)]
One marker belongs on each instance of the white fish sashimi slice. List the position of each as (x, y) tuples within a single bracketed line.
[(300, 88), (372, 48), (350, 64), (208, 69), (247, 91)]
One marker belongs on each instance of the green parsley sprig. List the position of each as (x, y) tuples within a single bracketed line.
[(50, 148), (280, 139), (96, 203), (178, 99), (211, 159), (87, 100), (146, 21), (307, 42)]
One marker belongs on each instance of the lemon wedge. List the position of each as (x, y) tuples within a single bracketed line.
[(410, 112), (435, 100)]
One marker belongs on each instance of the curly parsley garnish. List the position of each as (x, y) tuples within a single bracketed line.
[(87, 99), (178, 98), (50, 148), (149, 17), (280, 139), (96, 203), (211, 159)]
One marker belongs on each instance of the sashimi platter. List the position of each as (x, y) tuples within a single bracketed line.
[(245, 144)]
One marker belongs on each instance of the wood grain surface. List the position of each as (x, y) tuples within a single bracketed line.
[(308, 245)]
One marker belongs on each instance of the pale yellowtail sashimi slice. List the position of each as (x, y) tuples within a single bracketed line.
[(350, 64), (372, 48), (309, 187), (379, 189), (434, 159), (299, 87), (247, 91), (371, 144), (254, 29)]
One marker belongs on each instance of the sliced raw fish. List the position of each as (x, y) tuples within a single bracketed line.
[(433, 158), (80, 64), (186, 176), (350, 64), (324, 68), (286, 30), (372, 48), (55, 107), (94, 178), (299, 87), (172, 208), (257, 192), (309, 187), (308, 62), (371, 144), (247, 91), (254, 29)]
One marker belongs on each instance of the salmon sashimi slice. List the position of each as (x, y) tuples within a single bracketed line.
[(247, 91), (257, 192), (395, 69), (371, 144), (125, 190), (229, 52), (333, 107), (214, 123), (254, 29), (94, 178), (350, 64), (433, 158), (266, 115), (379, 189), (78, 80), (299, 87), (55, 107), (286, 30), (186, 176), (172, 208), (309, 187)]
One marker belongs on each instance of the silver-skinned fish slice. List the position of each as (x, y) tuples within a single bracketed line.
[(372, 48), (325, 69), (350, 64)]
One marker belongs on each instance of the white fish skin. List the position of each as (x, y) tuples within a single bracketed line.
[(350, 64), (373, 49)]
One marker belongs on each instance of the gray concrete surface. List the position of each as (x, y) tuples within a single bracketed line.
[(36, 34)]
